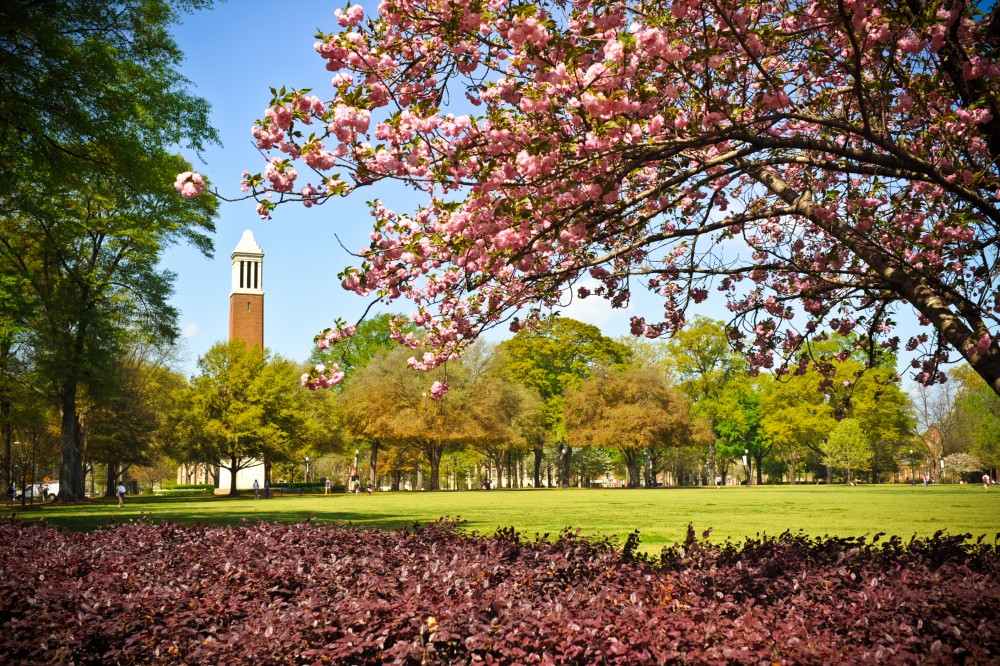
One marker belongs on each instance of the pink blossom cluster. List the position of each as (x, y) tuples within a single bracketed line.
[(281, 175), (351, 17), (332, 336), (321, 376), (189, 184), (690, 144)]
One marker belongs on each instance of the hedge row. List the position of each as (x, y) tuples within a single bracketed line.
[(309, 593), (312, 486), (183, 492)]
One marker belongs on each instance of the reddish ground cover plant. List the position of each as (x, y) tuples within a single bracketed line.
[(310, 593)]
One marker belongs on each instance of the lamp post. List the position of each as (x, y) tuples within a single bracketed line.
[(563, 468), (305, 475), (746, 467), (911, 465)]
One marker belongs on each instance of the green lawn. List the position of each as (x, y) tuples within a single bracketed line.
[(661, 516)]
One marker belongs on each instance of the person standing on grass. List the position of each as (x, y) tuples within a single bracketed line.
[(986, 481), (256, 489), (121, 494), (11, 494), (326, 486)]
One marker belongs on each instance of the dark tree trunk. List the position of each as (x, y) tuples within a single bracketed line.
[(232, 476), (539, 454), (71, 441), (372, 464), (6, 437), (631, 459), (434, 454), (711, 462), (6, 430), (112, 481), (564, 466)]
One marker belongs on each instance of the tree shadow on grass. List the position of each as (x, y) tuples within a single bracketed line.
[(215, 510)]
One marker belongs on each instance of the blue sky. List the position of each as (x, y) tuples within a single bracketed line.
[(233, 54)]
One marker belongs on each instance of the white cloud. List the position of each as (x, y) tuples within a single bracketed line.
[(191, 330), (597, 311)]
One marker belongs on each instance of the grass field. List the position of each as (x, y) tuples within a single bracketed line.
[(661, 515)]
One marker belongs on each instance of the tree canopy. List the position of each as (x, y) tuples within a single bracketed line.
[(633, 411), (848, 448), (552, 359), (92, 112), (387, 403), (824, 165), (246, 406)]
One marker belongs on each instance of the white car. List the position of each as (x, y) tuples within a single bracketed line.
[(34, 491)]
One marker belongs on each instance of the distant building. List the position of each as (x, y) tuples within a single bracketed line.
[(246, 322)]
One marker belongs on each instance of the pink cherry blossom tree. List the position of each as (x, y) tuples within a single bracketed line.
[(819, 164)]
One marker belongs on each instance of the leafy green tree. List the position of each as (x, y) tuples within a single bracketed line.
[(369, 406), (631, 410), (323, 425), (91, 90), (91, 109), (33, 423), (854, 383), (590, 463), (372, 337), (796, 418), (128, 429), (737, 416), (553, 359), (978, 408), (390, 403), (700, 361), (885, 414), (848, 448), (512, 412), (647, 353), (246, 406)]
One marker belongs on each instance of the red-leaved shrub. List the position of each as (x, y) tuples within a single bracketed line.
[(326, 593)]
